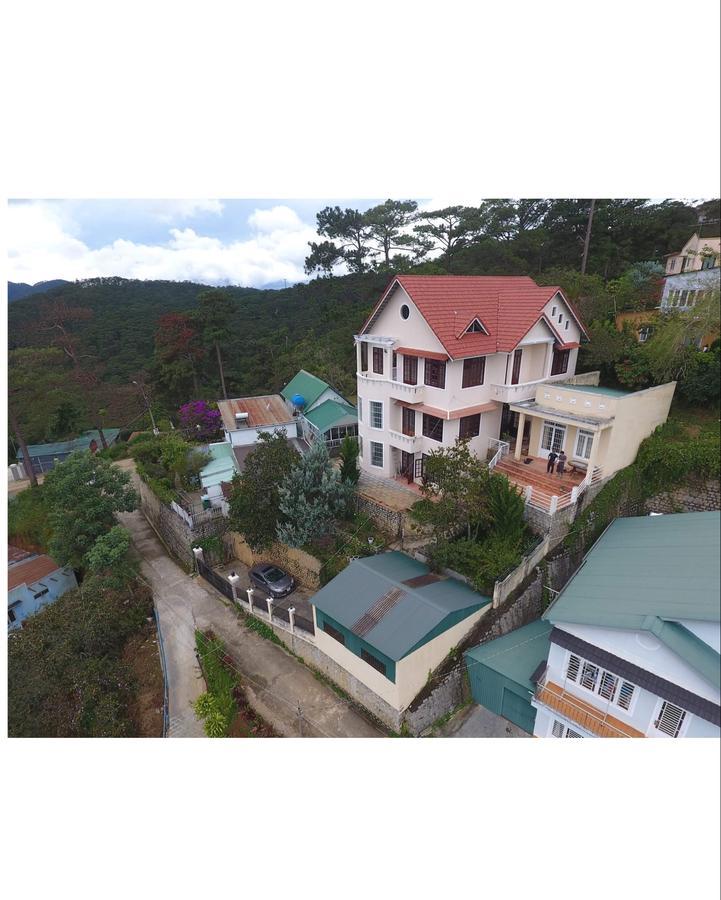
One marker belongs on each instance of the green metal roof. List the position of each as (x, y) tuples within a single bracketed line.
[(665, 566), (419, 614), (597, 389), (330, 413), (65, 447), (646, 574), (517, 654), (221, 466), (308, 386)]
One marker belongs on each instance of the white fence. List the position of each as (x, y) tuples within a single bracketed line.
[(501, 449)]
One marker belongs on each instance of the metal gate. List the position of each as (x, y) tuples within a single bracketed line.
[(219, 583), (518, 710)]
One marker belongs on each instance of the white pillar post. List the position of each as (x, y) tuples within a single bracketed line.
[(198, 554), (249, 592), (574, 493), (270, 609), (234, 579), (291, 616), (519, 435), (527, 493), (553, 505)]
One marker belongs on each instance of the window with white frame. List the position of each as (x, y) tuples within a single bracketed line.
[(584, 442), (560, 730), (593, 678), (670, 719), (376, 414), (376, 454)]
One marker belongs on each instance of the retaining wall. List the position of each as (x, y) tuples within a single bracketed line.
[(301, 565), (390, 520), (695, 496)]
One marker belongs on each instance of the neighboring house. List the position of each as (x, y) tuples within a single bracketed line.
[(216, 476), (502, 673), (600, 430), (698, 254), (247, 417), (634, 647), (321, 412), (387, 621), (444, 356), (34, 580), (44, 456)]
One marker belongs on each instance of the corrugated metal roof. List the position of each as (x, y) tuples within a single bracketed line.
[(61, 448), (221, 466), (266, 410), (310, 387), (413, 615), (31, 570), (330, 413), (517, 655), (646, 567)]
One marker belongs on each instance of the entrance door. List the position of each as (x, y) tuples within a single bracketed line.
[(516, 371), (553, 438), (407, 465)]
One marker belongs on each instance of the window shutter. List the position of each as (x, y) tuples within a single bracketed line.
[(557, 729), (671, 719), (625, 694), (607, 687), (574, 664)]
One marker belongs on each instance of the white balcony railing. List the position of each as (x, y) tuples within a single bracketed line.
[(500, 449), (404, 441), (411, 393), (526, 390)]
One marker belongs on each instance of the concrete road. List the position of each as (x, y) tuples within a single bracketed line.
[(477, 721), (275, 682)]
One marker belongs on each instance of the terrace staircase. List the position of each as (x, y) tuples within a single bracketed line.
[(544, 486)]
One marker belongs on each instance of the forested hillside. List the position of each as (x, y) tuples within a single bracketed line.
[(75, 351)]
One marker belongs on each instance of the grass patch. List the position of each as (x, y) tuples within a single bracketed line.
[(217, 708)]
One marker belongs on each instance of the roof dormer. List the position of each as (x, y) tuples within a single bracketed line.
[(476, 327)]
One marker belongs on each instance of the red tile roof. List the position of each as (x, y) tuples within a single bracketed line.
[(31, 571), (508, 307)]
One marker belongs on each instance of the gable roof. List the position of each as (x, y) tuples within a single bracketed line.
[(330, 412), (644, 568), (508, 307), (396, 602), (31, 570), (309, 386), (266, 410)]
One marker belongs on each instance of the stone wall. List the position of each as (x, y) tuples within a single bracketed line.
[(557, 526), (451, 690), (301, 565), (175, 533), (390, 520), (696, 495)]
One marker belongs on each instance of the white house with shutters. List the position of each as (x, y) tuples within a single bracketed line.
[(444, 356), (634, 647)]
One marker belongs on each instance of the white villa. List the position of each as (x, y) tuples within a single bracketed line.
[(444, 356)]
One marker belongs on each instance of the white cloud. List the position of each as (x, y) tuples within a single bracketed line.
[(42, 248), (172, 210)]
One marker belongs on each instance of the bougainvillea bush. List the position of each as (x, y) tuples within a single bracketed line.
[(199, 420)]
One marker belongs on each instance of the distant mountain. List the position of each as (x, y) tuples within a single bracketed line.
[(18, 290)]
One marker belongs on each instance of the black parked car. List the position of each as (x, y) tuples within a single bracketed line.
[(272, 580)]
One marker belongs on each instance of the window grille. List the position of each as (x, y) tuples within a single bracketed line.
[(589, 676), (607, 686), (625, 694), (376, 454), (376, 414), (574, 664), (670, 719), (557, 729)]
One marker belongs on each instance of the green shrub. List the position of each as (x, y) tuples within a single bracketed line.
[(221, 682), (28, 519), (506, 508)]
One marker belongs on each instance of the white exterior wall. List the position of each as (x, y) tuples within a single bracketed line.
[(411, 671), (416, 334), (637, 416), (243, 437), (697, 280), (644, 650), (328, 394)]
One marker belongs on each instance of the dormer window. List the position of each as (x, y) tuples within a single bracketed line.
[(476, 328)]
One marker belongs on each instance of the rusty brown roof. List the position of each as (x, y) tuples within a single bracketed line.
[(267, 410), (31, 571), (15, 554)]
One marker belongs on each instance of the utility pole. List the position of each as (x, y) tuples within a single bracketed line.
[(586, 243), (147, 406)]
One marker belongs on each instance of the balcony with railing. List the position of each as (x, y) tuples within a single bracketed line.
[(409, 393), (526, 390), (590, 718), (407, 442)]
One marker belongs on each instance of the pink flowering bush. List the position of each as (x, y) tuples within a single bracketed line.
[(199, 421)]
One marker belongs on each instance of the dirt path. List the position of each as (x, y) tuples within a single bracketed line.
[(275, 682)]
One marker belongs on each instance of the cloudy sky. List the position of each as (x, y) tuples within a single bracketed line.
[(245, 242)]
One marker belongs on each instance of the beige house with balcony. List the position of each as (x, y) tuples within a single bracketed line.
[(447, 356), (698, 253), (599, 429)]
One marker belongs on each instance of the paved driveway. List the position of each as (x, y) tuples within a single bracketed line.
[(275, 682), (477, 721)]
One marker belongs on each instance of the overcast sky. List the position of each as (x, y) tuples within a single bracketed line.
[(245, 242)]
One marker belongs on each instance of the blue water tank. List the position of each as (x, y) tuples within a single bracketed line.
[(298, 400)]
